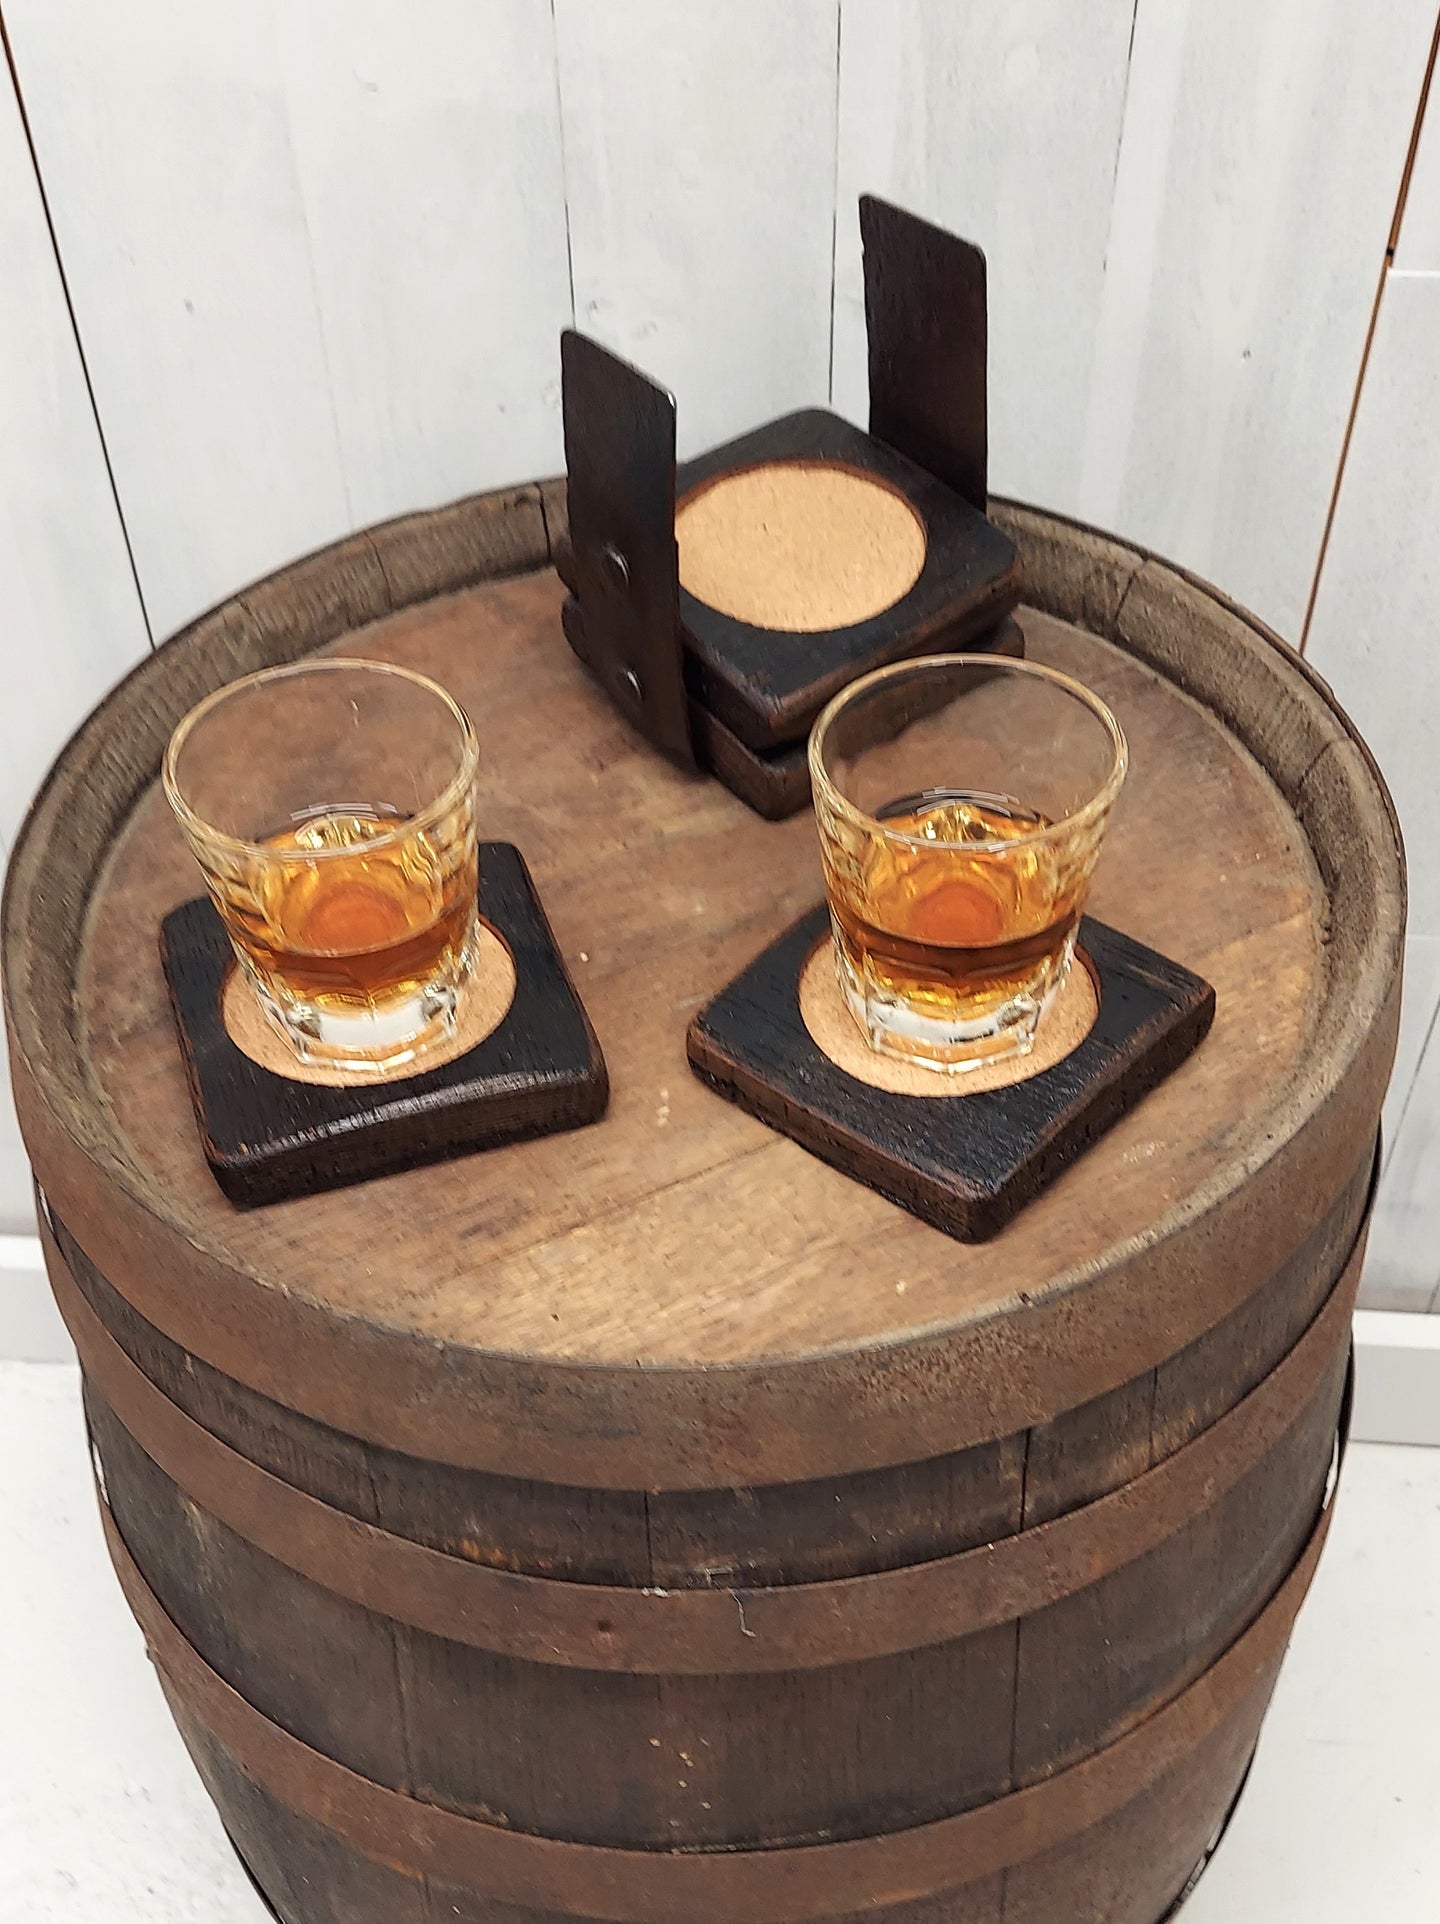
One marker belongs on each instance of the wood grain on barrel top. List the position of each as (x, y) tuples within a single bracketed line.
[(682, 1229), (680, 1297)]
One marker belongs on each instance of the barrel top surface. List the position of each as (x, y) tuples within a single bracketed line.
[(679, 1230)]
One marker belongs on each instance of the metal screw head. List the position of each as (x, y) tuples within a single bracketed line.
[(615, 568)]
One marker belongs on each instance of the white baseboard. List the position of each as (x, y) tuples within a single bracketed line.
[(1397, 1377), (1397, 1369), (30, 1327)]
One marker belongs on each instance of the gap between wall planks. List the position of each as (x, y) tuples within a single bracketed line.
[(1392, 241)]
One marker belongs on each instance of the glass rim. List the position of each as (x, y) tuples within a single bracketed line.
[(1102, 800), (198, 828)]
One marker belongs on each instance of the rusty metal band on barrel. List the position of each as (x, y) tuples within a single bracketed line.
[(781, 1885), (695, 1631)]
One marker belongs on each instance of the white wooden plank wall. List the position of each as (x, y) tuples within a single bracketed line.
[(1263, 149), (1372, 635), (700, 175), (70, 618), (1003, 124), (320, 254)]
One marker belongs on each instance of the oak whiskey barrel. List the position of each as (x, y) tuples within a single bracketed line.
[(649, 1524)]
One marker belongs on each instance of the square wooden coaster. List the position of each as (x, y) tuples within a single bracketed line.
[(964, 1163), (268, 1136)]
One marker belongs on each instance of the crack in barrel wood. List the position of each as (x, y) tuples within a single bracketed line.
[(650, 1523)]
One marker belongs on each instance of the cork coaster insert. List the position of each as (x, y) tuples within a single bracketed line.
[(484, 1005), (835, 1032), (801, 547)]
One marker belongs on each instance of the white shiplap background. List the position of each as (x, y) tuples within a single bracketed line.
[(277, 270)]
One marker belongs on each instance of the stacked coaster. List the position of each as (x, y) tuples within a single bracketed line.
[(723, 602)]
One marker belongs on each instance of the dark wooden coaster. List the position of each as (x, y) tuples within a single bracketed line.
[(768, 687), (776, 782), (268, 1136), (965, 1163)]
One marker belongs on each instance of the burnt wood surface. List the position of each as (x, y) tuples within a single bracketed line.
[(620, 457), (766, 689), (963, 1163), (267, 1136), (927, 338), (927, 329), (775, 782)]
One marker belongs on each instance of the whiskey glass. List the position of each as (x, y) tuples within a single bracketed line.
[(961, 802), (331, 808)]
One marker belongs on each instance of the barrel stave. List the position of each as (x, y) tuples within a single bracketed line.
[(743, 1758)]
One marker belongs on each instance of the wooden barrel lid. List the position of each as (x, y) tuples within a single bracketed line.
[(678, 1297)]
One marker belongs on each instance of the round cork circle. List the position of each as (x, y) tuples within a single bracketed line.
[(835, 1032), (484, 1005), (799, 546)]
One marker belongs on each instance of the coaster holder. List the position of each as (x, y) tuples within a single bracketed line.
[(267, 1136), (707, 688), (963, 1163)]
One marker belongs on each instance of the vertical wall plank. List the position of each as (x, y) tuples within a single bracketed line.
[(700, 172), (164, 140), (1263, 149), (434, 198), (1417, 1020), (318, 257), (1372, 634), (1402, 1264), (1003, 124), (1372, 637), (70, 619), (1374, 611)]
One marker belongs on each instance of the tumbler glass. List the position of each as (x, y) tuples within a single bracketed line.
[(961, 802), (331, 808)]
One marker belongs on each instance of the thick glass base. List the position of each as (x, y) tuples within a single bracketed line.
[(367, 1042), (959, 1039), (363, 1042)]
